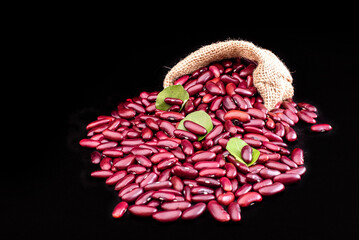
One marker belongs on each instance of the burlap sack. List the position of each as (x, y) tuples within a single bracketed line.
[(271, 77)]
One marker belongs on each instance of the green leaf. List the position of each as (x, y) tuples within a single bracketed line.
[(175, 91), (235, 145), (199, 117)]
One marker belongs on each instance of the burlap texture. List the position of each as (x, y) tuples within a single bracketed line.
[(271, 77)]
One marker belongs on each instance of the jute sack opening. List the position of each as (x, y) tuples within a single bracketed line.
[(271, 77)]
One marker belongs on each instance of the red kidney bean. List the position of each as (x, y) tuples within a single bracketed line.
[(167, 163), (202, 197), (307, 106), (287, 178), (185, 172), (216, 103), (268, 173), (119, 210), (256, 168), (279, 130), (228, 103), (124, 181), (195, 89), (173, 101), (113, 179), (225, 198), (212, 172), (244, 92), (226, 184), (132, 195), (144, 198), (95, 157), (194, 211), (125, 162), (102, 174), (299, 170), (182, 80), (142, 210), (179, 205), (177, 183), (151, 178), (105, 163), (256, 136), (249, 198), (187, 147), (89, 143), (164, 196), (203, 156), (273, 137), (321, 128), (215, 132), (212, 88), (185, 135), (201, 190), (305, 117), (217, 211), (167, 127), (261, 184), (246, 154), (290, 134), (206, 164), (237, 114), (272, 189), (209, 182), (289, 162), (194, 128), (291, 115), (167, 216), (158, 157), (167, 143), (234, 211), (253, 178), (157, 185), (277, 166), (298, 156), (164, 175), (136, 169), (258, 123)]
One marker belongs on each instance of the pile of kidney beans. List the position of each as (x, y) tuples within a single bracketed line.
[(160, 173)]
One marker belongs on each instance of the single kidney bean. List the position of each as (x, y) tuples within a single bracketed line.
[(194, 128), (268, 173), (225, 198), (203, 156), (194, 211), (209, 182), (234, 211), (287, 178), (237, 114), (321, 128), (167, 216), (299, 170), (249, 198), (142, 210), (298, 156), (271, 189), (246, 154), (119, 209), (217, 211)]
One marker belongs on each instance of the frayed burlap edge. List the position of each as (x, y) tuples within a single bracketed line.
[(271, 77)]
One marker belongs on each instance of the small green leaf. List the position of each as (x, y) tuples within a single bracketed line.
[(175, 91), (199, 117), (235, 145)]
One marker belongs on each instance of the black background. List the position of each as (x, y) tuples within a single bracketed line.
[(80, 71)]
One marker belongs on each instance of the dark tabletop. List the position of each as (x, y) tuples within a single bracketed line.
[(89, 69)]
